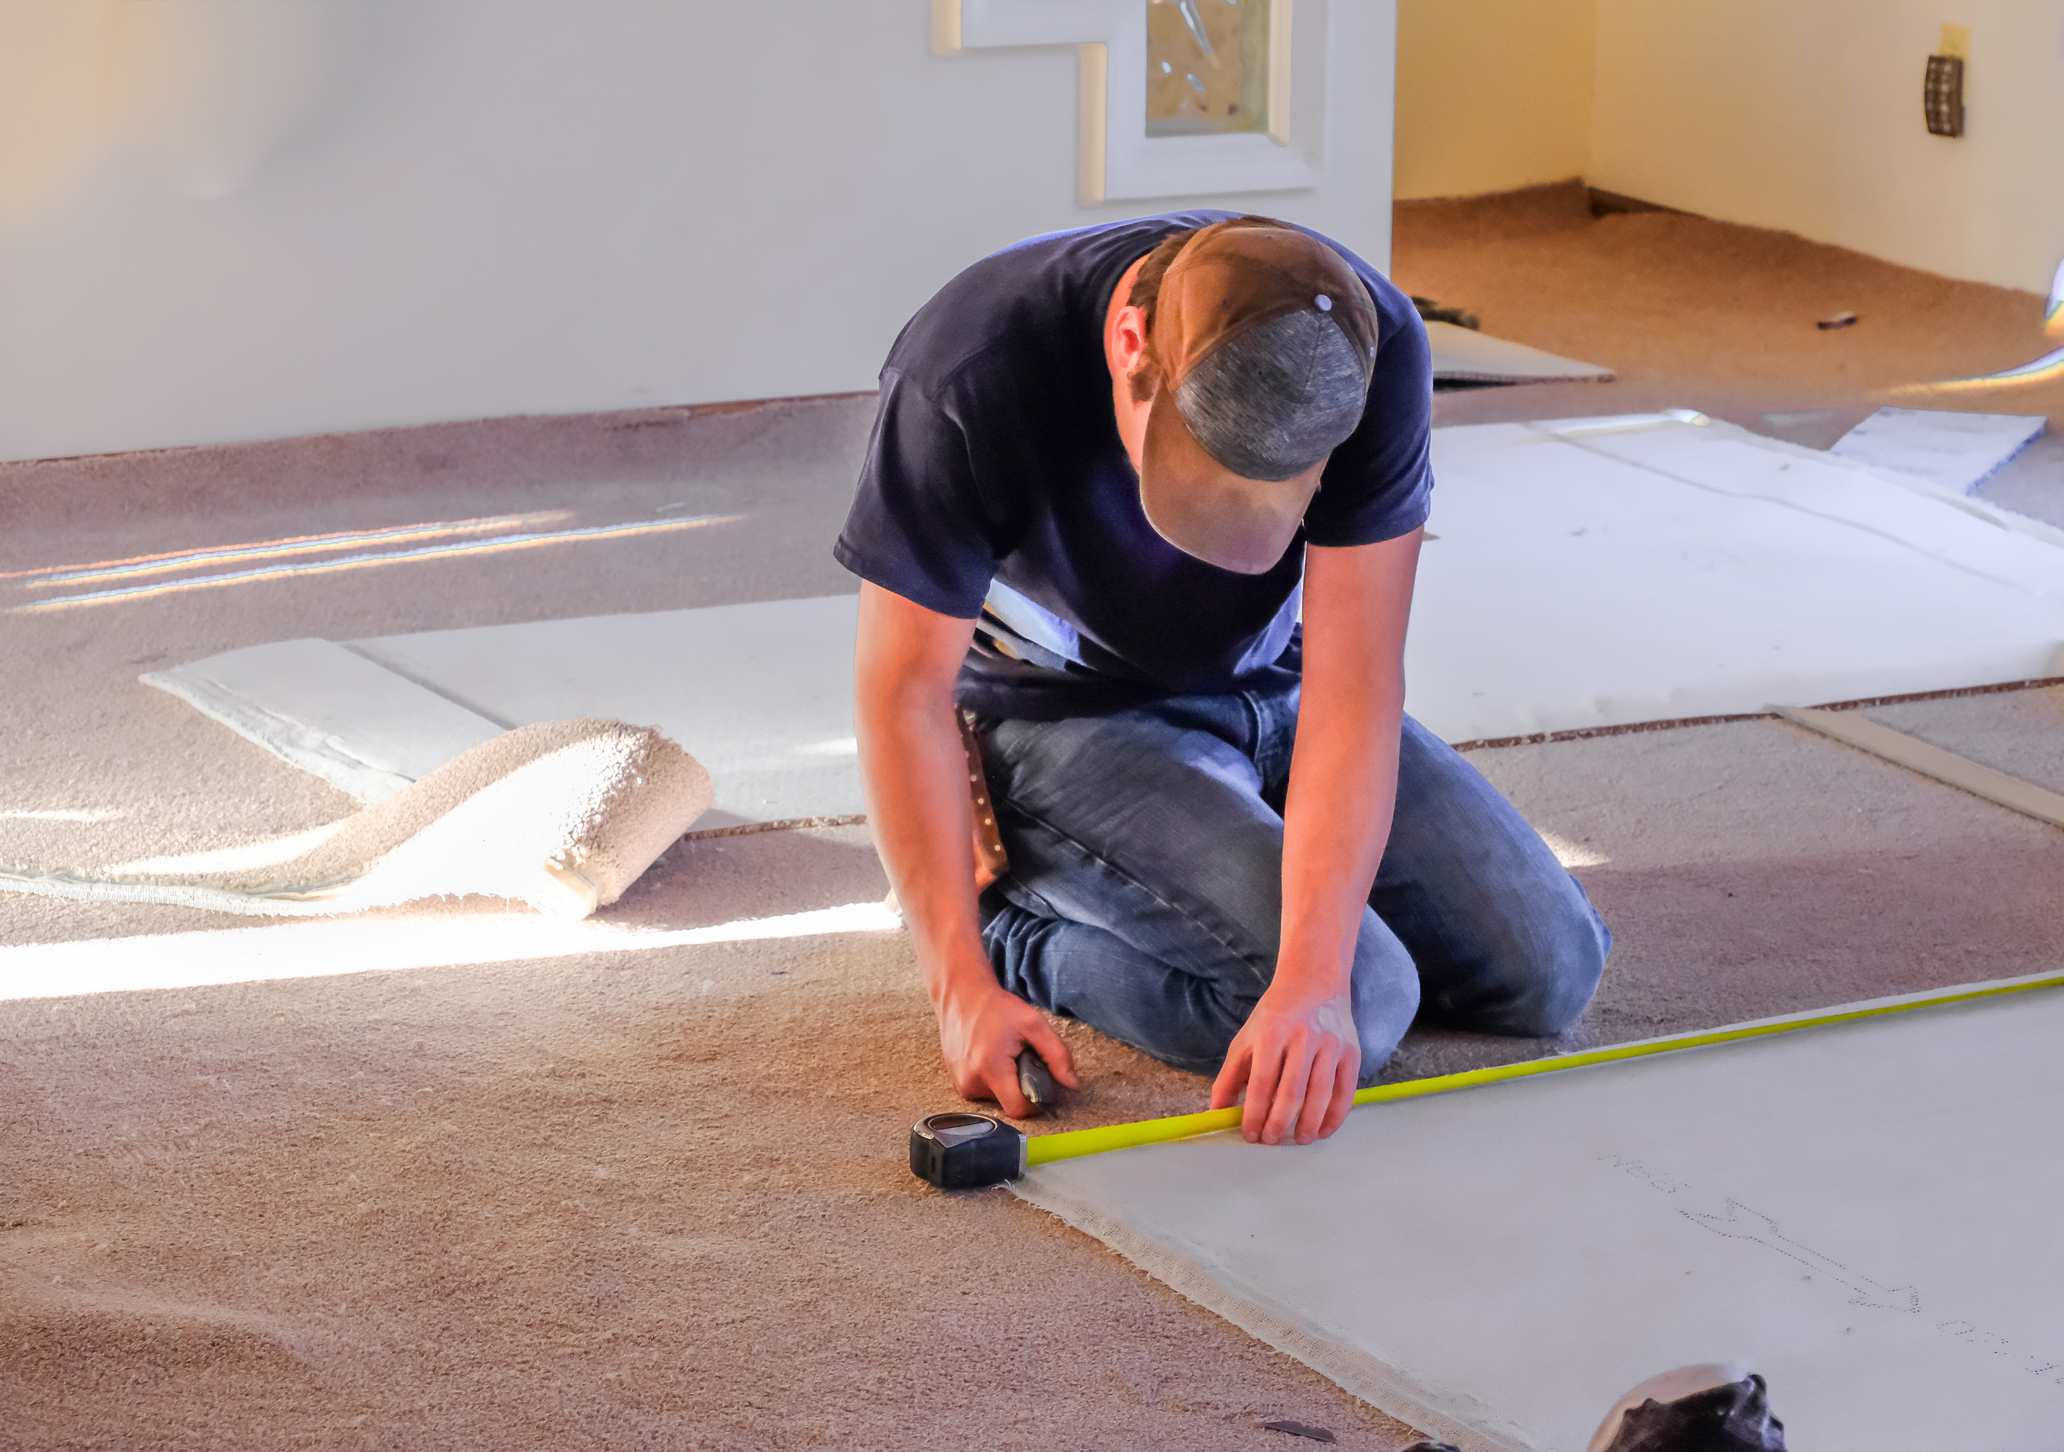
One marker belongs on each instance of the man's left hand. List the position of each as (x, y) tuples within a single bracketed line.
[(1298, 1063)]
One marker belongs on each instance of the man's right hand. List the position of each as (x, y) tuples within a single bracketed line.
[(914, 767), (982, 1032)]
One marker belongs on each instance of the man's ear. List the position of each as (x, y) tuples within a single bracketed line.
[(1129, 349), (1131, 335)]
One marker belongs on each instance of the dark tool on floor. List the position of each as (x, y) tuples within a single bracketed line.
[(1036, 1083), (966, 1151), (1315, 1434), (1432, 312)]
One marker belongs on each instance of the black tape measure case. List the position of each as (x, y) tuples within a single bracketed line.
[(966, 1151)]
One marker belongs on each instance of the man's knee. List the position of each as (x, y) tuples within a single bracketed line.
[(1562, 990), (1536, 982)]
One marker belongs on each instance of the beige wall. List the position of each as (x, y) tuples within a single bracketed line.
[(225, 221), (1802, 115), (1805, 115), (1492, 94)]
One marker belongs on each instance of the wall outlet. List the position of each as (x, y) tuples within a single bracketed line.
[(1942, 95)]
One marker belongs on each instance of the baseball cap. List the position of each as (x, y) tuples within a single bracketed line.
[(1264, 341)]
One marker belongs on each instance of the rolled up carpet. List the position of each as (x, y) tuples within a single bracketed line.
[(563, 815)]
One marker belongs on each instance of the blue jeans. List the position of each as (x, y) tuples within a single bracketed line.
[(1145, 890)]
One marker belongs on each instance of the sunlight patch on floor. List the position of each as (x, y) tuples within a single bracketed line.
[(495, 545), (1573, 854), (354, 945), (303, 544)]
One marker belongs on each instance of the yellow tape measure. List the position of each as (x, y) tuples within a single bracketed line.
[(1045, 1148)]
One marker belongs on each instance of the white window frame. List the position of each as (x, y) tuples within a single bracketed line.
[(1117, 159)]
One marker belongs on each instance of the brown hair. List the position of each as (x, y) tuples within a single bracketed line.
[(1146, 293)]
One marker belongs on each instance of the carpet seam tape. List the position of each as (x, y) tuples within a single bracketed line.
[(1073, 1144)]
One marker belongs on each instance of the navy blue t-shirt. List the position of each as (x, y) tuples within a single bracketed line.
[(996, 489)]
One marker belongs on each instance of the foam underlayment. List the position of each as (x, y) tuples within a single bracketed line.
[(1605, 572), (1951, 450), (563, 815), (1463, 355), (1578, 574), (764, 691), (1863, 1213)]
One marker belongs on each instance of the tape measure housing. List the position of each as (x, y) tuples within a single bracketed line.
[(966, 1151)]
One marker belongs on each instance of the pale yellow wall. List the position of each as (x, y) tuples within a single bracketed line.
[(1805, 115), (1492, 94)]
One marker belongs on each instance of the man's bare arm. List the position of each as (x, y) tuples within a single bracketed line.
[(1298, 1055), (915, 774)]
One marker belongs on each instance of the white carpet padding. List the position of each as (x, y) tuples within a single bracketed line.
[(761, 694), (294, 696), (1865, 1214), (562, 815), (1603, 572), (1953, 451), (1579, 573), (1463, 355)]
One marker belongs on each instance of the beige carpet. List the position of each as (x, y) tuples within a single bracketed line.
[(1662, 296), (629, 1200)]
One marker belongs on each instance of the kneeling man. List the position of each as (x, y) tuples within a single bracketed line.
[(1143, 506)]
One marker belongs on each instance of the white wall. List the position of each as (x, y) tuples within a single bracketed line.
[(1805, 115), (275, 217), (1492, 94)]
